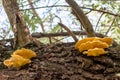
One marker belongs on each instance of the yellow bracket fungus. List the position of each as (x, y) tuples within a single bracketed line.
[(84, 41), (107, 40), (16, 61), (95, 52), (19, 58), (25, 53), (94, 45)]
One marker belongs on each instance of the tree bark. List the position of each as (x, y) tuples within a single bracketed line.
[(77, 11), (21, 32)]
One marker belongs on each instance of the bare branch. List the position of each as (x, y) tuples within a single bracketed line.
[(110, 26), (77, 11), (36, 14), (98, 21), (28, 3), (104, 11), (80, 33), (69, 31)]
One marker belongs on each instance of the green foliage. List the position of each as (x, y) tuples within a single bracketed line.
[(31, 20), (115, 34), (57, 28)]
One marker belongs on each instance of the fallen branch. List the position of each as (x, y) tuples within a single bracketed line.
[(42, 35), (81, 33)]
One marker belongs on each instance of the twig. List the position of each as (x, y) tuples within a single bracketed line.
[(69, 31), (88, 12), (36, 14), (98, 21), (110, 26), (104, 11), (28, 3)]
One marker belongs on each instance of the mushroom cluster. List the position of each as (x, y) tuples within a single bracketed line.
[(93, 46), (19, 58)]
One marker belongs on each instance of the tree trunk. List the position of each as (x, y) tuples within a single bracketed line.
[(21, 32), (77, 11)]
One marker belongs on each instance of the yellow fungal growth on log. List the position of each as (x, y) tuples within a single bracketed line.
[(107, 40), (86, 46), (19, 58), (94, 45), (95, 52), (84, 41), (16, 61), (25, 53), (99, 44)]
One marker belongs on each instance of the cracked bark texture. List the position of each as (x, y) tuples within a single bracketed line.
[(21, 32)]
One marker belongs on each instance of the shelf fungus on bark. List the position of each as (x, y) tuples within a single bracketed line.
[(16, 61), (25, 53), (19, 58), (95, 52), (93, 46)]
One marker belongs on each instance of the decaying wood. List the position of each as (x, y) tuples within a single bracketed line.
[(63, 62), (77, 11), (21, 32)]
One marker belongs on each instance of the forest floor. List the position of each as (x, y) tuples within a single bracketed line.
[(62, 62)]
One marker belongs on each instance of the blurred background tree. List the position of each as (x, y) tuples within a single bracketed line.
[(43, 16)]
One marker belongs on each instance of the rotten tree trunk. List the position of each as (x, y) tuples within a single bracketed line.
[(77, 11), (21, 32)]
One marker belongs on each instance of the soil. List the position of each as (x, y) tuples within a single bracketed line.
[(62, 62)]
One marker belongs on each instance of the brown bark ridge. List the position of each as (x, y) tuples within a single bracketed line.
[(21, 32), (77, 11)]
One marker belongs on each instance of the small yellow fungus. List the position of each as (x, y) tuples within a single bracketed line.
[(20, 58), (86, 46), (107, 40), (16, 61), (25, 53), (95, 52), (99, 44), (84, 41)]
